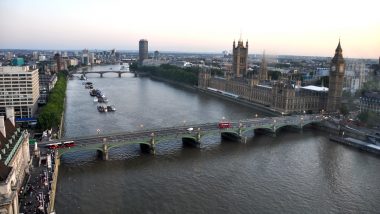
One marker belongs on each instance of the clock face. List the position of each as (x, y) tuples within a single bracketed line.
[(333, 68), (341, 69)]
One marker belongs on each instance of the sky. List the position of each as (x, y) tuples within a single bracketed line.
[(291, 27)]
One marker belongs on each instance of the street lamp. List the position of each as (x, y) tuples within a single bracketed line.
[(256, 115), (184, 122), (282, 113), (98, 131)]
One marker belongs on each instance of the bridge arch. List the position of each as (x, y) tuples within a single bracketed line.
[(62, 152)]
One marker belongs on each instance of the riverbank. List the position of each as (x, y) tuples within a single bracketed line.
[(247, 103), (37, 196), (356, 143), (255, 106)]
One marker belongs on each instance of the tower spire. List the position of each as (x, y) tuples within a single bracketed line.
[(338, 53)]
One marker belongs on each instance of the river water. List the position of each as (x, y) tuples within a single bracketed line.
[(292, 173)]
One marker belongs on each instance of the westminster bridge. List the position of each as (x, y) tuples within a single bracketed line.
[(190, 134)]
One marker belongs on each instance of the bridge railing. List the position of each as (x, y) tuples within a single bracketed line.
[(295, 120)]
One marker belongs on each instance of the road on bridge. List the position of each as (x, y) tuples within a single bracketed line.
[(181, 130)]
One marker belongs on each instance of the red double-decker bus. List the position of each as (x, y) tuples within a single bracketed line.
[(224, 125), (60, 145)]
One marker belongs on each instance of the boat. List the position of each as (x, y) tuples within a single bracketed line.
[(111, 108), (82, 77), (102, 109), (102, 99), (88, 85), (92, 92), (95, 99)]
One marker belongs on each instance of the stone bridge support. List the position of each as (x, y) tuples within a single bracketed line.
[(119, 74), (101, 74), (153, 143), (274, 131), (105, 150), (199, 135)]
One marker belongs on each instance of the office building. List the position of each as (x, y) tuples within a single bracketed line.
[(143, 50), (19, 88)]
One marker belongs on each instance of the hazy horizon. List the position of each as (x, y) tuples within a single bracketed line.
[(293, 27)]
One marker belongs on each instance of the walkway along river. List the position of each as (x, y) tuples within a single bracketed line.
[(294, 172)]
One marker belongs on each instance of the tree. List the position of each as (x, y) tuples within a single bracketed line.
[(370, 118), (274, 74), (344, 110), (133, 66), (50, 115)]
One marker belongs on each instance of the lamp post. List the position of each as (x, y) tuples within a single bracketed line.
[(256, 115)]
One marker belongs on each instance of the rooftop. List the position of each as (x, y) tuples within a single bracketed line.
[(315, 88)]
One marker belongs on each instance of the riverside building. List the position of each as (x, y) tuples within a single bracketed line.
[(143, 50), (14, 163), (283, 96), (19, 90)]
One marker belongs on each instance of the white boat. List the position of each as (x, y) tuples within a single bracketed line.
[(95, 99)]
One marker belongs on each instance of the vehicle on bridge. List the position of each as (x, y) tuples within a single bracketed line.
[(224, 125), (60, 145)]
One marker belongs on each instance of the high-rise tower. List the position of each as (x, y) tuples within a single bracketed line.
[(240, 59), (143, 50), (337, 69)]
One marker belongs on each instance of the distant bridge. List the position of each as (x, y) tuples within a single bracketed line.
[(104, 72), (147, 139)]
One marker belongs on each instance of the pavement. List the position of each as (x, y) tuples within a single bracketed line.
[(34, 196)]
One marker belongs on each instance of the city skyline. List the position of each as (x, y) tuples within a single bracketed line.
[(279, 28)]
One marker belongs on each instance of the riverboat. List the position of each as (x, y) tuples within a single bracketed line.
[(102, 99), (102, 109), (111, 108)]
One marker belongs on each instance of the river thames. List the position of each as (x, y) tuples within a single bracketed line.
[(291, 173)]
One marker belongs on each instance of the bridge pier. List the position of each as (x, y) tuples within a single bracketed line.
[(101, 74), (119, 74), (153, 144), (199, 135), (105, 152)]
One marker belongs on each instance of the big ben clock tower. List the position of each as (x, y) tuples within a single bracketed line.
[(337, 69)]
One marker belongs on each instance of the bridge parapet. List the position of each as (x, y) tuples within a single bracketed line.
[(151, 137)]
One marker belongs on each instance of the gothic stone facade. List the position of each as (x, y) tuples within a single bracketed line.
[(240, 59), (280, 96)]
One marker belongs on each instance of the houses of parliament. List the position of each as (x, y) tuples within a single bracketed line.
[(281, 95)]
